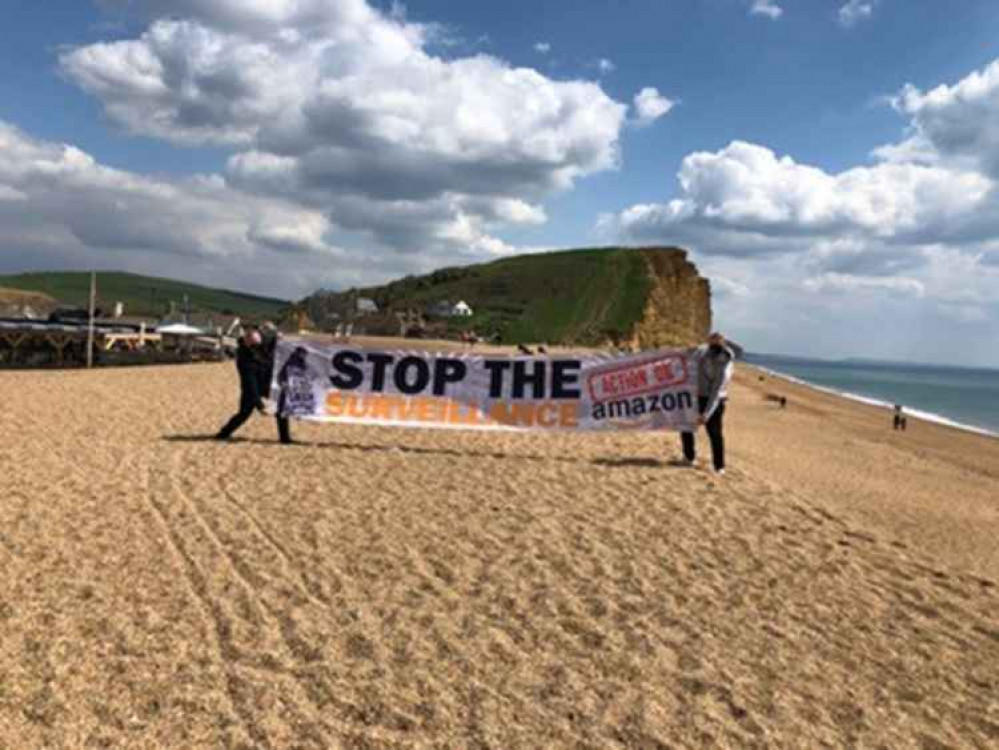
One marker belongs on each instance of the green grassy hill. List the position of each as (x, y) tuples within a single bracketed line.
[(583, 297), (652, 296), (144, 296)]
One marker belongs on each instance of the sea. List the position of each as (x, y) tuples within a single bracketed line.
[(967, 398)]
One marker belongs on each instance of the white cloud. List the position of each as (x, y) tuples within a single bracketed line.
[(956, 124), (75, 212), (746, 187), (910, 241), (768, 8), (360, 90), (855, 11), (849, 284), (965, 314), (543, 48), (606, 66), (340, 109), (910, 315), (7, 193), (650, 105), (725, 286)]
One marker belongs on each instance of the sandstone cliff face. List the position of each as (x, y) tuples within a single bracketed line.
[(678, 308)]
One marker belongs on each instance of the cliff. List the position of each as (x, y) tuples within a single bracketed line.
[(678, 307), (638, 297)]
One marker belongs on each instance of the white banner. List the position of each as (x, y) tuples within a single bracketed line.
[(338, 383)]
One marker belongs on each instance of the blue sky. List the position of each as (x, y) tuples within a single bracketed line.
[(280, 145)]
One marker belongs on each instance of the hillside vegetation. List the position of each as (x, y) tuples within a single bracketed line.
[(17, 299), (644, 297), (586, 297), (145, 296)]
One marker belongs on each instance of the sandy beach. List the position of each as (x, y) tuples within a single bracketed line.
[(384, 588)]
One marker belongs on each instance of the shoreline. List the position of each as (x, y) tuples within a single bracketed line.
[(920, 414), (932, 487)]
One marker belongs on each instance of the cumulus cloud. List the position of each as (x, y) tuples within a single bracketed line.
[(855, 11), (767, 8), (341, 109), (358, 84), (747, 187), (606, 66), (936, 186), (543, 48), (848, 284), (69, 210), (650, 105), (952, 124), (914, 233)]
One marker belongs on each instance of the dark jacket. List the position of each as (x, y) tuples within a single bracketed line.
[(265, 362), (248, 367)]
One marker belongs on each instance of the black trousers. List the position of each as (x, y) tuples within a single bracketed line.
[(247, 406), (714, 430)]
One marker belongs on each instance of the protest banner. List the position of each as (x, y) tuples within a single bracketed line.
[(337, 383)]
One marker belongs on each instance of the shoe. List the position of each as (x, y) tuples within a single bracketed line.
[(720, 472), (686, 462), (222, 438)]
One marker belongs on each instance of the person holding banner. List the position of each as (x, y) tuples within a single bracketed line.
[(715, 363), (254, 363), (265, 375)]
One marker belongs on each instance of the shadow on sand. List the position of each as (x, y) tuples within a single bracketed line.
[(213, 439), (613, 462), (634, 463)]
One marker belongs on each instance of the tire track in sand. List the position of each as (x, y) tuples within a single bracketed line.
[(287, 560), (300, 659), (238, 596), (197, 583), (308, 660)]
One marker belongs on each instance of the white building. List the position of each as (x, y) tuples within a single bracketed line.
[(366, 306), (461, 310)]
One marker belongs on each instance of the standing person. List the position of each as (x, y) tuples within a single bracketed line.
[(715, 363), (254, 384), (247, 365), (898, 423), (265, 374)]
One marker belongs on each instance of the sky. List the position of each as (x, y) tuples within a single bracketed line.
[(831, 165)]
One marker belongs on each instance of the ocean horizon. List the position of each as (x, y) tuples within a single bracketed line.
[(963, 397)]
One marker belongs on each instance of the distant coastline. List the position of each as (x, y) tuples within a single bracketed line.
[(770, 365), (847, 362)]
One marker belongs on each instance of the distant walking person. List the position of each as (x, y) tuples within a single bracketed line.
[(900, 420), (715, 363)]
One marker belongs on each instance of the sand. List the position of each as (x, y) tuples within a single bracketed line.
[(381, 588)]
